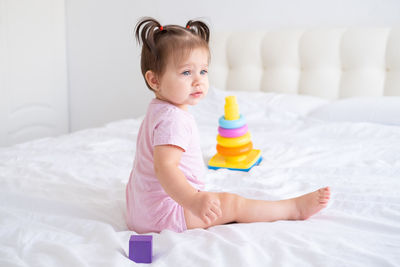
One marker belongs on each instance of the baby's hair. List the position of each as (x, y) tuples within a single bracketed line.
[(161, 43)]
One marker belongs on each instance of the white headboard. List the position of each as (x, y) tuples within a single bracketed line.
[(330, 63)]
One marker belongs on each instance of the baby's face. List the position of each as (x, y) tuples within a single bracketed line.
[(187, 82)]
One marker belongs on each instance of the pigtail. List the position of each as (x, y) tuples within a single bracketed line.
[(199, 28), (145, 31)]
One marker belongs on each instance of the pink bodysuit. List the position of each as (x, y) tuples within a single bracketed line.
[(149, 208)]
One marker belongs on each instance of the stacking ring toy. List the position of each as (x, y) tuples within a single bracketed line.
[(234, 142), (234, 147), (233, 132), (234, 151), (231, 124)]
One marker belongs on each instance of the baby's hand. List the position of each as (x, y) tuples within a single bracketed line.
[(207, 207)]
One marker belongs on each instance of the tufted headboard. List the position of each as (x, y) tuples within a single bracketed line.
[(330, 63)]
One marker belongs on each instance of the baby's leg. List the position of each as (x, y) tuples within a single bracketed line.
[(299, 208), (238, 209)]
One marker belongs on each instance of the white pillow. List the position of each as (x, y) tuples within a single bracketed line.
[(383, 110), (260, 101), (298, 104)]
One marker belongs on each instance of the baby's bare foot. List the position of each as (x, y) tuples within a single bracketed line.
[(311, 203)]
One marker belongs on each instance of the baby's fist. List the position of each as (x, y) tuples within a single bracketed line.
[(210, 207)]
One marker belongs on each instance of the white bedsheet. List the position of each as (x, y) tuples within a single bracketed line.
[(62, 200)]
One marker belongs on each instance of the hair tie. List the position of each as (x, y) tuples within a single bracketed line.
[(187, 27), (161, 28)]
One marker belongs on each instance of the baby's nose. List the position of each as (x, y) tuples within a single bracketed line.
[(196, 80)]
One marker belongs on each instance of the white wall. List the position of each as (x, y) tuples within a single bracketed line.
[(38, 97), (33, 77), (103, 59)]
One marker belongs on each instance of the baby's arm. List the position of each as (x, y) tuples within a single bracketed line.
[(205, 205)]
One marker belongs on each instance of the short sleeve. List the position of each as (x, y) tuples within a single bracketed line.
[(173, 129)]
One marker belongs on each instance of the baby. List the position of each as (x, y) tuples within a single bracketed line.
[(164, 190)]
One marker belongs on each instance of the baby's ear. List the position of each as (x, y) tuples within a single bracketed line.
[(152, 80)]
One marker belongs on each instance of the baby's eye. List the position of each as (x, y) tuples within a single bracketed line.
[(186, 73), (203, 72)]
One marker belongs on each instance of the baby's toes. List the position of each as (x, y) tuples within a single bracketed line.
[(324, 191), (327, 190), (323, 200)]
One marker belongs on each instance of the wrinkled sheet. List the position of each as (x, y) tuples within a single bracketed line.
[(62, 200)]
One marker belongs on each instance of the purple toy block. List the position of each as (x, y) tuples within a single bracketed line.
[(141, 248)]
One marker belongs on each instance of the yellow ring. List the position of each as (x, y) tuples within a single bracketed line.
[(234, 142)]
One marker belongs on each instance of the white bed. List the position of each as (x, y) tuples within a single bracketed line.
[(62, 199)]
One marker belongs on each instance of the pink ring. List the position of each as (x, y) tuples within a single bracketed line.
[(230, 133)]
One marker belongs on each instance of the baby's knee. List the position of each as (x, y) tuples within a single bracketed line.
[(231, 202)]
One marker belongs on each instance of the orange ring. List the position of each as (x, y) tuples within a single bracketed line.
[(234, 151)]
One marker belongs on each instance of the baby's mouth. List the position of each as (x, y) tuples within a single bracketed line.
[(197, 94)]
